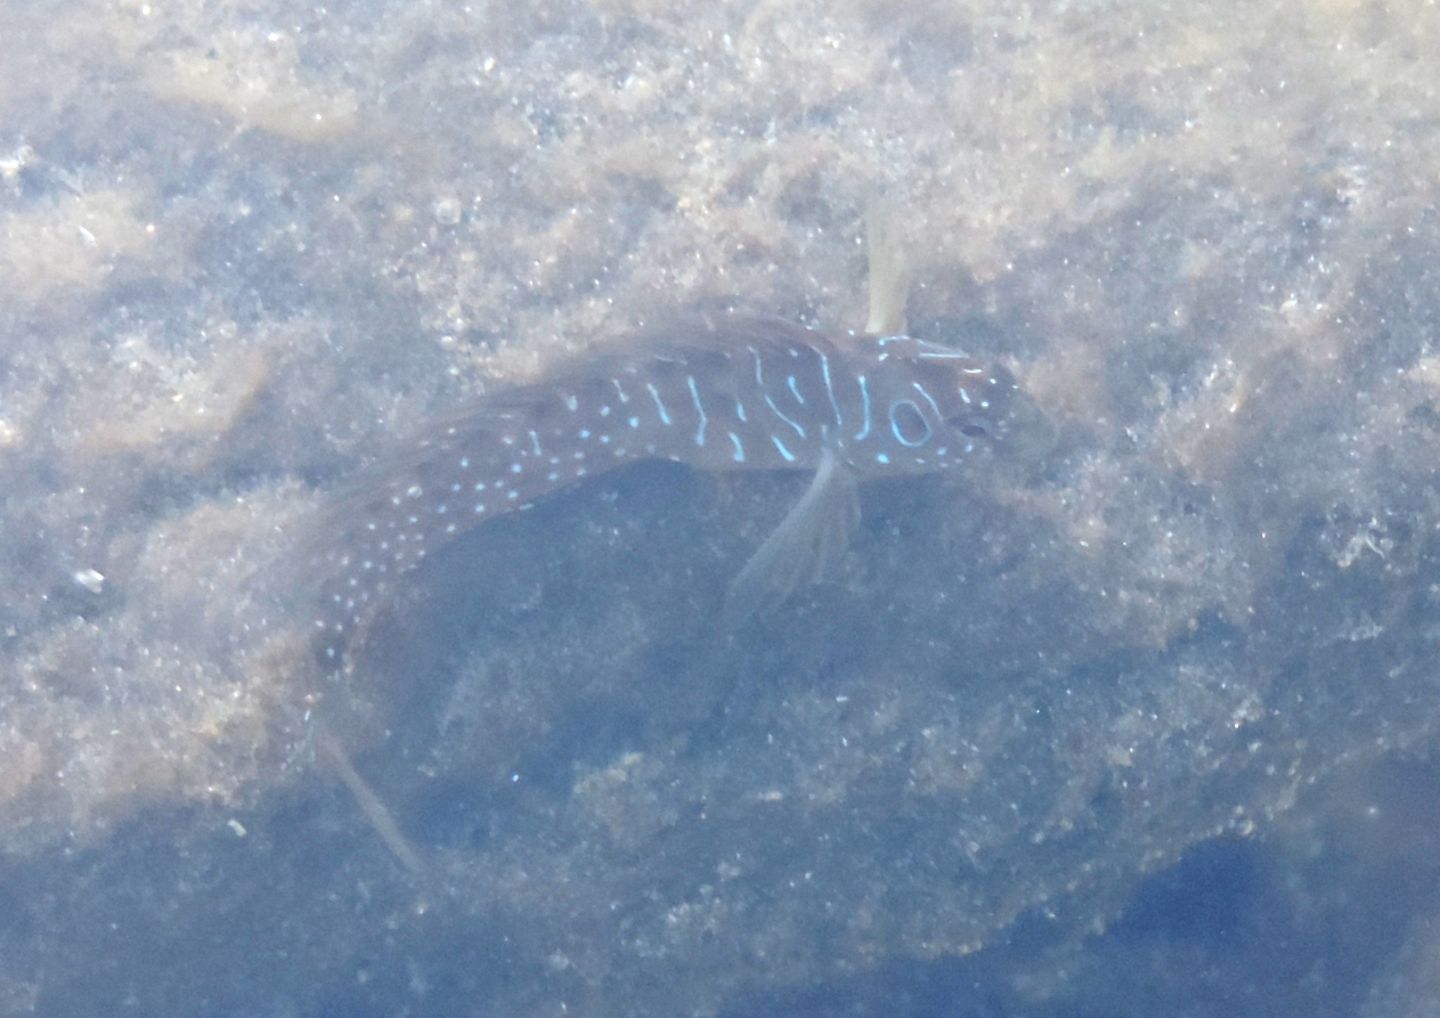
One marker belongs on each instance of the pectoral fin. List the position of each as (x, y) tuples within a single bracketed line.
[(807, 546)]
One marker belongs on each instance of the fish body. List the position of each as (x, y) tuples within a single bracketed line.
[(725, 393)]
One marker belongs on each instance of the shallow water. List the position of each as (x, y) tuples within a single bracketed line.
[(1140, 724)]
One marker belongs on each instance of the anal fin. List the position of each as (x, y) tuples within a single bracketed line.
[(806, 547)]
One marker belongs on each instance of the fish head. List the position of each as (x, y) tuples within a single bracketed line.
[(941, 400)]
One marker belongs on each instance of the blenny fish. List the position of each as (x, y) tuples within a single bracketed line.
[(719, 393)]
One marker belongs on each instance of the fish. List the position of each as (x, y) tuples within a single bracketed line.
[(720, 393)]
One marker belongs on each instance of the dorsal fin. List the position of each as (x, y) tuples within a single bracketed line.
[(889, 272)]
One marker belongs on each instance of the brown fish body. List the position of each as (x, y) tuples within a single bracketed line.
[(727, 393)]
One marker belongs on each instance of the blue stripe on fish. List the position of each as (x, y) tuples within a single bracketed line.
[(830, 391), (699, 410), (799, 430), (864, 431), (659, 404)]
